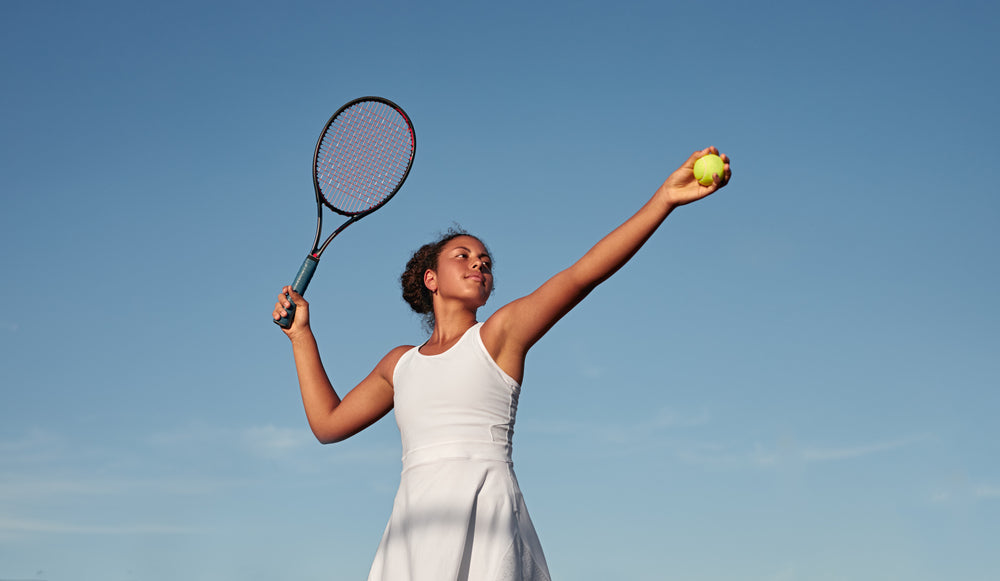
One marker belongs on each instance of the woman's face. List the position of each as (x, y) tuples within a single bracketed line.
[(464, 271)]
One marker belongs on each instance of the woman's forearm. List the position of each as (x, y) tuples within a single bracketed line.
[(318, 396), (618, 247)]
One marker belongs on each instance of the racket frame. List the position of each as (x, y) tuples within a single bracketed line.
[(308, 268)]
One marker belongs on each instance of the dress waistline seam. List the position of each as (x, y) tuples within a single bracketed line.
[(450, 451)]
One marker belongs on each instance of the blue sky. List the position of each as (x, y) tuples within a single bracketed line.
[(795, 379)]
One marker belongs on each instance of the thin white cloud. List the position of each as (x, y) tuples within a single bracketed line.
[(713, 454), (262, 441), (668, 418), (857, 451), (9, 526), (959, 490), (273, 442), (762, 456), (788, 572), (267, 442), (986, 491), (37, 464), (660, 420), (42, 464), (20, 487), (31, 444), (783, 453), (591, 370), (789, 452)]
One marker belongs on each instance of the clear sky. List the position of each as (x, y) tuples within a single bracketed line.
[(796, 379)]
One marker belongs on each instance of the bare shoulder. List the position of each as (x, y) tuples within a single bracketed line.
[(387, 365), (519, 324)]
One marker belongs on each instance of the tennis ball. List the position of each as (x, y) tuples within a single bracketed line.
[(706, 166)]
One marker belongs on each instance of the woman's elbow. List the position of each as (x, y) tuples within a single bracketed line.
[(327, 436)]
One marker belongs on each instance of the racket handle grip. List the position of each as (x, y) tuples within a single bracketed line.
[(299, 285)]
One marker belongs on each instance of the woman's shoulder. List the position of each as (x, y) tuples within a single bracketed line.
[(387, 365), (397, 352)]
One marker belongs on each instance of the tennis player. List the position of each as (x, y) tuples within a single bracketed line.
[(459, 513)]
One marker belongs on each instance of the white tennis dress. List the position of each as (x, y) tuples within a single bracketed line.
[(458, 514)]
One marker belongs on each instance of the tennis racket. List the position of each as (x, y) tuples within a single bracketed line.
[(362, 158)]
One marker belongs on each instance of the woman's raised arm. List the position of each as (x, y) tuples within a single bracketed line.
[(514, 328)]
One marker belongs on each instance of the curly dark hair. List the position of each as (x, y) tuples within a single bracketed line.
[(415, 293)]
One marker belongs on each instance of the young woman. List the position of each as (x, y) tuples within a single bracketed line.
[(459, 514)]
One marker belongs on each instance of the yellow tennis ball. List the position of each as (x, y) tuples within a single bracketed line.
[(706, 166)]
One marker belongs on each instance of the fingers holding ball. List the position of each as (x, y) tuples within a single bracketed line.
[(708, 166)]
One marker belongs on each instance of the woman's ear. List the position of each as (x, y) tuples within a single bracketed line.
[(430, 280)]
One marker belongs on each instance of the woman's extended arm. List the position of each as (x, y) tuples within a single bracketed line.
[(513, 329)]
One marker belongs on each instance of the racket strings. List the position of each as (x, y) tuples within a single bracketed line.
[(363, 157)]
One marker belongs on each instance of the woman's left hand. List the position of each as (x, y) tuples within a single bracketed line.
[(682, 187)]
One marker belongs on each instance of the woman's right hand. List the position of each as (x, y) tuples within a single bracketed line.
[(285, 299)]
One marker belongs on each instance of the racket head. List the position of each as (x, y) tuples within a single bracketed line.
[(363, 156)]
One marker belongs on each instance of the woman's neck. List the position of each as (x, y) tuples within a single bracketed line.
[(449, 328)]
